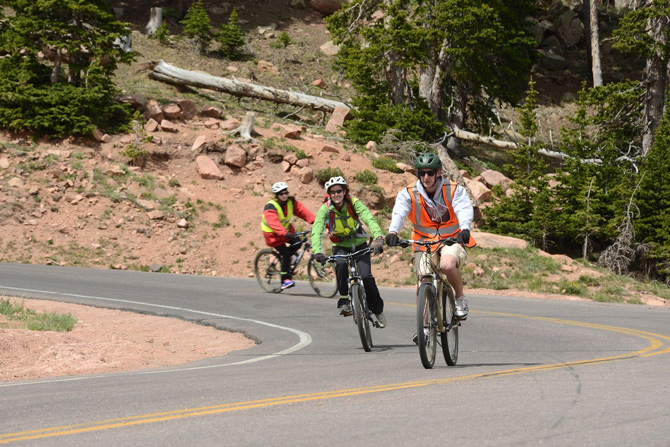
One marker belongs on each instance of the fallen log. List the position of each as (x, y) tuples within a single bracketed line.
[(174, 75)]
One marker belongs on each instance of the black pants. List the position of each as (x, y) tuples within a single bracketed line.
[(286, 251), (375, 302)]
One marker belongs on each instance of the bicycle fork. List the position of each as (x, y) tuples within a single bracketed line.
[(353, 280)]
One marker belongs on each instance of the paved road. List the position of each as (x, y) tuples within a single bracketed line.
[(531, 372)]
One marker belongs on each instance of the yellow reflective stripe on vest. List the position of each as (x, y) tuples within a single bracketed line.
[(285, 220)]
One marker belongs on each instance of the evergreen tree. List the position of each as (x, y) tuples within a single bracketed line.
[(644, 32), (442, 61), (231, 37), (57, 66), (529, 211), (652, 226), (198, 26), (595, 181)]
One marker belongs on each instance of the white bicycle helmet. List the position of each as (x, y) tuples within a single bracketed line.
[(279, 186), (335, 181)]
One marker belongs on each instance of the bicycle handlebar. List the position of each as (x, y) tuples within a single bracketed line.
[(355, 254), (408, 242)]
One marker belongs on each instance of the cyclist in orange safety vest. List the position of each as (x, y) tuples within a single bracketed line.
[(437, 209), (278, 230)]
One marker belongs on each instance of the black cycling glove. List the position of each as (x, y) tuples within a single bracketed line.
[(463, 237), (392, 239)]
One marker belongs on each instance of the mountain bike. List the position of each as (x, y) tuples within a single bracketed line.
[(359, 304), (435, 307), (267, 268)]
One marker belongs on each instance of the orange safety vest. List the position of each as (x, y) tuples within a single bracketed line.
[(427, 229)]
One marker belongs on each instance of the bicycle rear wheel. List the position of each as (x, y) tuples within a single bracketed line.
[(357, 297), (322, 278), (449, 337), (426, 324), (267, 268)]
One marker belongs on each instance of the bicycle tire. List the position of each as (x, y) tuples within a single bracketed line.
[(267, 268), (426, 324), (358, 305), (449, 337), (322, 278)]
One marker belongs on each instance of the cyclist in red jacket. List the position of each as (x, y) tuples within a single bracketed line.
[(277, 228)]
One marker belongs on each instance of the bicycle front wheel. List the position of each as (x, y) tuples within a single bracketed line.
[(357, 297), (426, 324), (449, 337), (267, 268), (322, 278)]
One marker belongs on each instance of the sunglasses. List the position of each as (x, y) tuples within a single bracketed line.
[(336, 191), (282, 193), (428, 173)]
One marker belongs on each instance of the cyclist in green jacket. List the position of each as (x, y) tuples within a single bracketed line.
[(341, 216)]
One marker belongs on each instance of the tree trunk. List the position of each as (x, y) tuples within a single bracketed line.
[(155, 21), (245, 129), (595, 43), (449, 165), (457, 120), (657, 77), (394, 74), (55, 71), (395, 78), (174, 75)]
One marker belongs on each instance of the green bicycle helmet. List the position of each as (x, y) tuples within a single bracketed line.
[(428, 160)]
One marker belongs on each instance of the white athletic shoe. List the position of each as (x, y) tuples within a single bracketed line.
[(462, 310)]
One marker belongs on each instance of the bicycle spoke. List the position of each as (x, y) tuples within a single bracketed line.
[(322, 278)]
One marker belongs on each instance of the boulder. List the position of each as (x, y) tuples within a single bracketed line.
[(235, 156), (207, 168), (337, 119)]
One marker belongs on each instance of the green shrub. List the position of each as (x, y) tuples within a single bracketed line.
[(284, 39), (387, 164), (324, 174), (366, 177), (163, 35)]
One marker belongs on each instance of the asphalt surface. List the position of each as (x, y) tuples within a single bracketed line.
[(530, 372)]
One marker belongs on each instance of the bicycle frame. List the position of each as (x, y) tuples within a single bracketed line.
[(359, 303), (436, 279), (435, 304)]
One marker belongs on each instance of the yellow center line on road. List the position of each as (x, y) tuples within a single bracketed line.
[(655, 346)]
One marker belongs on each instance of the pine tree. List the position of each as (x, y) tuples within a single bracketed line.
[(198, 26), (595, 181), (57, 66), (529, 211), (652, 226), (427, 64), (231, 37)]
